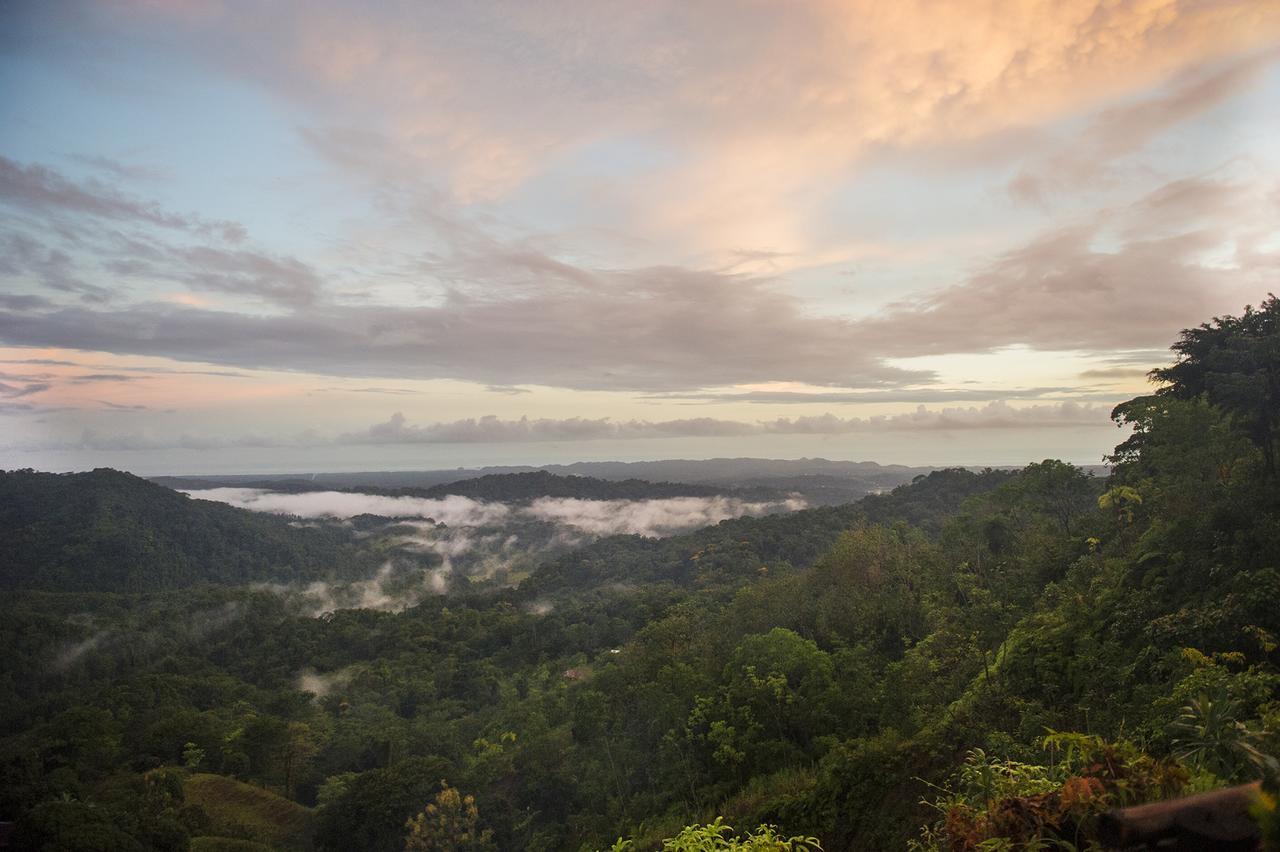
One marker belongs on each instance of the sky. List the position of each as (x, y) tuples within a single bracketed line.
[(247, 237)]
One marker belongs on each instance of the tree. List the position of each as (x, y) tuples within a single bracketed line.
[(718, 836), (1234, 362), (300, 747), (450, 824), (192, 756), (1056, 489), (367, 810)]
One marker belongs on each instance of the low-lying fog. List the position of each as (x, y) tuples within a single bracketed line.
[(430, 540), (661, 517)]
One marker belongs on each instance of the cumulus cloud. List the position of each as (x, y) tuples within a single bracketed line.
[(994, 415), (493, 429)]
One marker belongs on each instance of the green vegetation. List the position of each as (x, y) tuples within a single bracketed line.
[(238, 811), (112, 532), (972, 661)]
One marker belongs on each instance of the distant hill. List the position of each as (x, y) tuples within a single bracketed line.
[(820, 481), (112, 531), (498, 487), (516, 487)]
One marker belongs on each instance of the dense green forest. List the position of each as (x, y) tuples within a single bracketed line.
[(975, 660), (112, 532)]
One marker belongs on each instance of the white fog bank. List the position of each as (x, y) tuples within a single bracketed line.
[(655, 518)]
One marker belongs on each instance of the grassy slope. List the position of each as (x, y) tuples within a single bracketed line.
[(232, 804)]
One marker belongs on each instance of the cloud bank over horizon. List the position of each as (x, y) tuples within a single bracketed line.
[(490, 429)]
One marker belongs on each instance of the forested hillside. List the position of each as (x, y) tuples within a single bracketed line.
[(527, 486), (112, 532), (974, 660)]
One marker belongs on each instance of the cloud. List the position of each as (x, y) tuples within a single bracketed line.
[(282, 280), (1117, 373), (452, 510), (652, 518), (116, 168), (1121, 130), (649, 329), (37, 188), (212, 269), (22, 302), (89, 218), (919, 394), (14, 391), (53, 362), (774, 107), (1129, 277), (492, 429), (993, 415), (509, 315), (21, 256)]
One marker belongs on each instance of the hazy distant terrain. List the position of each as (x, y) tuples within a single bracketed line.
[(818, 481)]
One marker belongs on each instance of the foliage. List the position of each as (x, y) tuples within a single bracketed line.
[(242, 811), (999, 804), (718, 836), (110, 531), (449, 824)]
